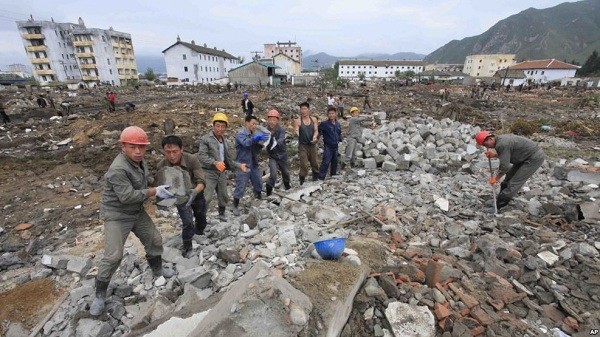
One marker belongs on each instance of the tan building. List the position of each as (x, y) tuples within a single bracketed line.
[(291, 49), (487, 65)]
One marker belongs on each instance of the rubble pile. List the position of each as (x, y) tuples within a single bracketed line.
[(419, 189)]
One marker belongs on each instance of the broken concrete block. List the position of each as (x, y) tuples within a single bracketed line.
[(249, 301), (369, 163), (548, 257), (93, 327), (388, 166), (199, 277), (443, 204), (410, 320)]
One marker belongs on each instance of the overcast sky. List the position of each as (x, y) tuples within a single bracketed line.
[(338, 27)]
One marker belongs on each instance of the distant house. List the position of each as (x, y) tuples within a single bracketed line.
[(384, 70), (189, 62), (588, 82), (287, 65), (255, 73), (10, 79), (543, 71), (514, 77)]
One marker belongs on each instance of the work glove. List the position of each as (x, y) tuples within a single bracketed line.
[(493, 181), (163, 193), (192, 195), (491, 154), (260, 137), (220, 166)]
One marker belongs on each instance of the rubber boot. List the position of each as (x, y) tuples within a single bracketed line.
[(222, 216), (258, 195), (302, 180), (286, 184), (187, 248), (269, 190), (199, 228), (236, 206), (315, 176), (97, 306), (155, 263)]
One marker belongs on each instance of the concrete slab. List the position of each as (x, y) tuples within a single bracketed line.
[(177, 326), (256, 303)]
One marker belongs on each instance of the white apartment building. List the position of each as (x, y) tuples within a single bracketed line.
[(62, 52), (373, 70), (487, 65), (189, 62), (291, 49)]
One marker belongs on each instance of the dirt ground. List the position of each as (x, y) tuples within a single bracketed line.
[(58, 188), (29, 303)]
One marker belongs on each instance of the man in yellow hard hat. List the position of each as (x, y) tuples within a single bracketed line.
[(355, 129), (126, 188), (214, 158)]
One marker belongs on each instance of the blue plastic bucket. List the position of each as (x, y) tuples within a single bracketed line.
[(330, 249)]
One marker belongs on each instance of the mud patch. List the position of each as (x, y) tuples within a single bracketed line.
[(28, 303), (372, 253)]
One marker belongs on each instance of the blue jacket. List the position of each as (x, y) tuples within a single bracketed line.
[(279, 151), (331, 132), (246, 150)]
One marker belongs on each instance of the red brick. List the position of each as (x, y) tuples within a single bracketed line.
[(571, 322), (467, 299), (441, 311), (432, 273), (397, 237), (446, 324), (401, 278), (477, 331), (419, 276), (497, 304), (244, 253), (481, 316), (505, 294)]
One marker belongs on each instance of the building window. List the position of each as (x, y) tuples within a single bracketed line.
[(185, 69), (184, 57), (108, 60), (542, 72)]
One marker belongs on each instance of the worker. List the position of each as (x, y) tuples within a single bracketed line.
[(525, 156), (122, 209), (331, 130), (111, 97), (366, 101), (355, 130), (247, 146), (214, 158), (195, 208), (277, 150), (5, 118), (247, 105), (340, 107), (307, 131), (330, 101)]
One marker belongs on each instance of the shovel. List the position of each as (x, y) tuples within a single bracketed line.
[(493, 187)]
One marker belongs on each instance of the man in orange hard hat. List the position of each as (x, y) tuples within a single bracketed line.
[(277, 150), (214, 158), (126, 189), (519, 159)]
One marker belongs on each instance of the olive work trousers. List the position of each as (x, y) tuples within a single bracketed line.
[(115, 235)]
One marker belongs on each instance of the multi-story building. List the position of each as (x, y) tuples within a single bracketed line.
[(487, 65), (62, 52), (189, 62), (373, 70), (291, 49)]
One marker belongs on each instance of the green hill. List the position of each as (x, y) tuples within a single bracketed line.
[(569, 31)]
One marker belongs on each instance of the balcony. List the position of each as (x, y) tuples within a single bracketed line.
[(35, 48), (84, 55), (33, 36), (83, 43), (87, 65), (41, 60), (44, 72), (90, 77)]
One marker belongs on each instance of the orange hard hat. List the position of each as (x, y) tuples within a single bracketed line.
[(273, 113), (481, 136), (134, 135)]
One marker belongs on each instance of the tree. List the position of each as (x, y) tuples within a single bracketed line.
[(361, 75), (149, 74), (591, 65)]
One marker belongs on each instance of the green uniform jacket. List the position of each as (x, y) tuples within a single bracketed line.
[(513, 149), (208, 152), (125, 189)]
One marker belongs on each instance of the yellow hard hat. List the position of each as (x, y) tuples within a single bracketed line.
[(220, 117), (352, 109)]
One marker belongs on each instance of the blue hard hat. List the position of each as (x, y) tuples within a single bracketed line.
[(245, 94), (330, 249)]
